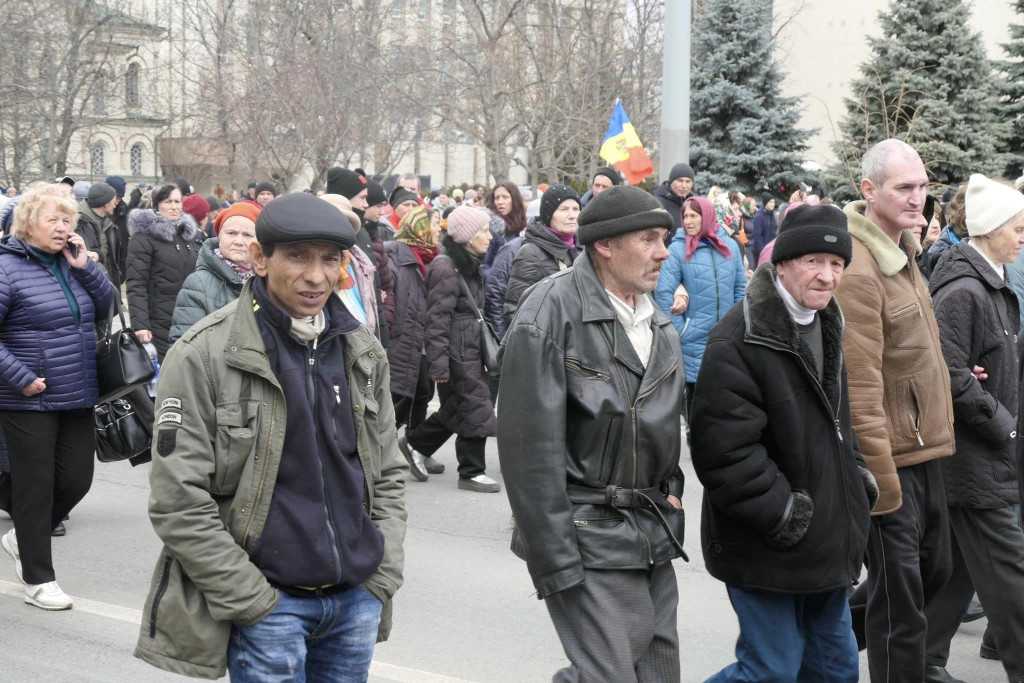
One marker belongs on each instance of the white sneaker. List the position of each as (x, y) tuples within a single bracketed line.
[(481, 483), (47, 596), (9, 541)]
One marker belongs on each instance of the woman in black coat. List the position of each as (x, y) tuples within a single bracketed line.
[(452, 340), (162, 252), (549, 245)]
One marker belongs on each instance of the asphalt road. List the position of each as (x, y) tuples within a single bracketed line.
[(466, 613)]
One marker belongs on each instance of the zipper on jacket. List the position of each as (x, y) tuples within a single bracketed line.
[(165, 578), (369, 384), (718, 297), (915, 418), (311, 388)]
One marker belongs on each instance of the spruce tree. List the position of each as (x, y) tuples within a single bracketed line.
[(744, 133), (1012, 88), (929, 82)]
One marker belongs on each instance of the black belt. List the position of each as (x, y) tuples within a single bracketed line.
[(631, 499)]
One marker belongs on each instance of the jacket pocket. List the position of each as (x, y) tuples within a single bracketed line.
[(574, 365), (235, 441), (908, 328), (914, 414)]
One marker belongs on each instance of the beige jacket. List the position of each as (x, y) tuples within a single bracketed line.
[(899, 384)]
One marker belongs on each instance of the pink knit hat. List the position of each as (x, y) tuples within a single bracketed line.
[(465, 223)]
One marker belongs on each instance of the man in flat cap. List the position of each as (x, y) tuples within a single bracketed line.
[(589, 439), (277, 484), (787, 498)]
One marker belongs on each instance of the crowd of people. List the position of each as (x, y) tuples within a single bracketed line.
[(849, 380)]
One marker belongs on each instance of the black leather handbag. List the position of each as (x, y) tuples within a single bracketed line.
[(120, 432), (122, 363), (490, 345)]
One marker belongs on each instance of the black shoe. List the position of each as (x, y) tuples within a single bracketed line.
[(59, 530), (414, 459), (433, 466), (938, 674), (988, 646), (974, 612)]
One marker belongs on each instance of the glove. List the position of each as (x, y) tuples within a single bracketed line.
[(870, 486), (793, 529)]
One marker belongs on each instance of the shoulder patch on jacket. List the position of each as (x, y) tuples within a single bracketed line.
[(166, 441)]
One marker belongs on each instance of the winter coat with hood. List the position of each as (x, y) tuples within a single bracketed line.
[(979, 320), (452, 340), (540, 255), (900, 400), (714, 284), (410, 299), (211, 286), (39, 334), (764, 427), (161, 254), (497, 283), (580, 417)]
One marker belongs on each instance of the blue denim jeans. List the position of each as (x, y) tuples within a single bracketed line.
[(327, 638), (789, 637)]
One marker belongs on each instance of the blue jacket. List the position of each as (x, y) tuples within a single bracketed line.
[(497, 284), (765, 228), (39, 336), (714, 284)]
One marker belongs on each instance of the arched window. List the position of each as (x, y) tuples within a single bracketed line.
[(135, 159), (98, 158), (131, 85)]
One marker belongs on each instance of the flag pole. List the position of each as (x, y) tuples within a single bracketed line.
[(675, 87)]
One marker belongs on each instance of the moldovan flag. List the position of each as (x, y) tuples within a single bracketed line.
[(623, 150)]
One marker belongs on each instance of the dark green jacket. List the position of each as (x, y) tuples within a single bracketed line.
[(220, 429), (212, 285)]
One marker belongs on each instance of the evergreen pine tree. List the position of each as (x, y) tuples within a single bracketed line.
[(1012, 88), (743, 132), (928, 82)]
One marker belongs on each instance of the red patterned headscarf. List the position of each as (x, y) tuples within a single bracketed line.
[(708, 228)]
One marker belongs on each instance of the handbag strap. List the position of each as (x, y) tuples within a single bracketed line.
[(465, 290), (108, 324)]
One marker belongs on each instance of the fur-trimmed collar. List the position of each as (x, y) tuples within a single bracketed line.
[(768, 320), (887, 254), (466, 263), (149, 222)]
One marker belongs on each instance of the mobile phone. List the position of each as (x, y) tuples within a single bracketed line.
[(72, 249)]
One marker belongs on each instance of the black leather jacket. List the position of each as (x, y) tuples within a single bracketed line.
[(580, 419)]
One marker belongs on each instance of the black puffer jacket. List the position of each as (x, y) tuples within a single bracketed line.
[(979, 320), (764, 427), (410, 296), (671, 203), (452, 339), (579, 413), (161, 255), (540, 255)]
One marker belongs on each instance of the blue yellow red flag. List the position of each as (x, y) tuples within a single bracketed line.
[(622, 148)]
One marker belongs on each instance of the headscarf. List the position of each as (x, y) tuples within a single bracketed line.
[(414, 231), (708, 229)]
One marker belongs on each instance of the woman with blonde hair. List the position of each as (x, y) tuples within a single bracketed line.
[(51, 294)]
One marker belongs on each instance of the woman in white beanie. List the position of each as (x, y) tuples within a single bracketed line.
[(978, 318), (452, 340)]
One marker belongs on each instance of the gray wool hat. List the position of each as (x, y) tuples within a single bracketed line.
[(99, 194), (619, 210)]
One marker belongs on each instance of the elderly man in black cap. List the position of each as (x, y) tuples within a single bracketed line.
[(787, 498), (589, 441), (277, 485)]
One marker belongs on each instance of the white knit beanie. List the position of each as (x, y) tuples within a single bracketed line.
[(990, 205)]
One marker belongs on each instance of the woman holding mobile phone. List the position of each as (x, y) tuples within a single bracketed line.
[(50, 296)]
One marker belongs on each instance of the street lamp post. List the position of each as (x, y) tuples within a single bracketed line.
[(675, 86)]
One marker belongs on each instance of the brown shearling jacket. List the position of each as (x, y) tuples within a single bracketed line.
[(900, 397)]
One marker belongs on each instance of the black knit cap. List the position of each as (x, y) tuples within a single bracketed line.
[(99, 194), (266, 186), (345, 182), (401, 194), (301, 217), (609, 173), (680, 170), (375, 193), (813, 230), (618, 211), (553, 198)]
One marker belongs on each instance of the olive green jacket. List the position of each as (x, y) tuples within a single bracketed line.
[(217, 444)]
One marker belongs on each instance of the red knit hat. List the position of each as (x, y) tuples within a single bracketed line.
[(248, 210), (196, 206)]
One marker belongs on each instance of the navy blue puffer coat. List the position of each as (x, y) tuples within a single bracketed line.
[(39, 336)]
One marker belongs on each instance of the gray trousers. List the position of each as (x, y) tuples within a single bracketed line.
[(619, 626), (988, 556)]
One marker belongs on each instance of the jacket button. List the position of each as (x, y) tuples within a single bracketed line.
[(716, 548), (234, 348), (243, 509), (355, 408), (371, 354)]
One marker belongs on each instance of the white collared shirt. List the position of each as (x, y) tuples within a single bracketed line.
[(998, 269), (636, 322)]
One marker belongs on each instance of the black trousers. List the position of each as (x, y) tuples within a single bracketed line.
[(469, 451), (909, 562), (988, 556), (51, 456), (411, 412)]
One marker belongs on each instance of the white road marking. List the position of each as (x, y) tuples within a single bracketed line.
[(391, 672)]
